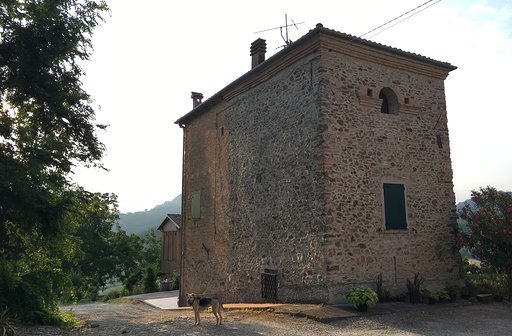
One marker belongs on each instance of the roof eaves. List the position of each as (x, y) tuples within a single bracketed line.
[(355, 39), (217, 97)]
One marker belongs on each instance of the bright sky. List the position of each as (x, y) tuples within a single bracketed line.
[(150, 55)]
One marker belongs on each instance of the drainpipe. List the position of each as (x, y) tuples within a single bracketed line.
[(181, 298)]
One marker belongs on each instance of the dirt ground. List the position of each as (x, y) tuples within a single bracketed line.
[(140, 319)]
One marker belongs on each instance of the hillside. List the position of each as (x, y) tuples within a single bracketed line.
[(141, 221)]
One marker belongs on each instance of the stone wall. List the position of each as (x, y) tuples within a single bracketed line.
[(275, 207), (362, 149), (290, 171), (204, 242)]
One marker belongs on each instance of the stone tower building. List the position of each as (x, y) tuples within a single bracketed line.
[(319, 169)]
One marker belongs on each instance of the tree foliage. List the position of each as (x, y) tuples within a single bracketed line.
[(139, 255), (92, 218), (46, 128), (490, 228)]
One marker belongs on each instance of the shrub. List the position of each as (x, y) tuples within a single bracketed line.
[(508, 286), (68, 320), (150, 281), (133, 281), (362, 298), (489, 220), (452, 291), (175, 281), (7, 323), (115, 294), (498, 285), (443, 296)]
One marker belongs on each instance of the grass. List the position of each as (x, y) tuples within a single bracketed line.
[(122, 300)]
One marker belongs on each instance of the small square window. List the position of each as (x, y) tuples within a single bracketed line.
[(369, 92)]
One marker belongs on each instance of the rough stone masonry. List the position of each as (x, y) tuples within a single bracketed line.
[(325, 165)]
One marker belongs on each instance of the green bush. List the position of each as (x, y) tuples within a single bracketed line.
[(150, 281), (115, 294), (68, 320), (362, 298), (133, 280), (443, 296), (175, 281)]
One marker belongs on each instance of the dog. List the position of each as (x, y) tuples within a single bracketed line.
[(199, 303)]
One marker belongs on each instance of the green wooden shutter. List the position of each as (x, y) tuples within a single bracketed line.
[(195, 200), (394, 206)]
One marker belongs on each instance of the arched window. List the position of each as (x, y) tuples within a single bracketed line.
[(389, 104)]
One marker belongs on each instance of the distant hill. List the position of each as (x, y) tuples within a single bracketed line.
[(463, 225), (141, 221)]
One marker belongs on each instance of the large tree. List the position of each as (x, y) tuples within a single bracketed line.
[(46, 128)]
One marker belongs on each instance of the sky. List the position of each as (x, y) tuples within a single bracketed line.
[(149, 55)]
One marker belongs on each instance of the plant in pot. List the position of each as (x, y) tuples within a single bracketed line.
[(414, 288), (362, 298), (382, 292)]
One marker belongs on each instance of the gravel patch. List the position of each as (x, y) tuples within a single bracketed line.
[(140, 319)]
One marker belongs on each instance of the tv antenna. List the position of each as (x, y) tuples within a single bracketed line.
[(285, 37)]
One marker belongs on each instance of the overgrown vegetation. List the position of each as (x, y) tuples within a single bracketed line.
[(489, 239), (485, 281)]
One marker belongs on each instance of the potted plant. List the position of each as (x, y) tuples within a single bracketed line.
[(427, 297), (414, 288), (362, 298)]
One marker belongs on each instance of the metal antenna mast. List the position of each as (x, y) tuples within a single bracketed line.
[(285, 38)]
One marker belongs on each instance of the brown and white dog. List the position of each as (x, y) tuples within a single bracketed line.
[(200, 303)]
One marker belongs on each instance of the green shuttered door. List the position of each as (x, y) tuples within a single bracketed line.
[(394, 206)]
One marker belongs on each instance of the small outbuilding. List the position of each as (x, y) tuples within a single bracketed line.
[(171, 245)]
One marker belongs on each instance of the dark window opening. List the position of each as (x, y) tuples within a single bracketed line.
[(406, 100), (369, 92), (394, 206), (221, 130), (389, 104), (384, 107), (439, 141)]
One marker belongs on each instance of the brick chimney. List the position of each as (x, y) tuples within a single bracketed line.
[(258, 49), (197, 99)]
